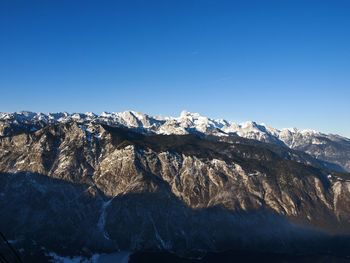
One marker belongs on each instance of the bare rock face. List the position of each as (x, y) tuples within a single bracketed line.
[(83, 189)]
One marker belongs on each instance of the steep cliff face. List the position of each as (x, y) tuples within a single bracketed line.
[(75, 188)]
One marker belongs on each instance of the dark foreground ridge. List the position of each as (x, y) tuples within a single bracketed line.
[(240, 256)]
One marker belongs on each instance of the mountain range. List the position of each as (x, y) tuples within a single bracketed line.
[(330, 148), (84, 184)]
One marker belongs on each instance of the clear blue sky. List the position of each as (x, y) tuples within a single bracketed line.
[(285, 63)]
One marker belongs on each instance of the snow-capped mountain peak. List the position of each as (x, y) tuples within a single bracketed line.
[(187, 122), (309, 141)]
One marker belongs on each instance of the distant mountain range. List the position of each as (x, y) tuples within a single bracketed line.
[(330, 148), (84, 184)]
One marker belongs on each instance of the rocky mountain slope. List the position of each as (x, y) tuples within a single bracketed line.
[(84, 184)]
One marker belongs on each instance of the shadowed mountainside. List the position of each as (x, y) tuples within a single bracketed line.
[(75, 191)]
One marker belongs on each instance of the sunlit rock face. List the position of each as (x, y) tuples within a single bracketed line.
[(77, 187)]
